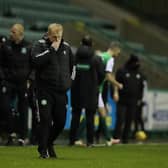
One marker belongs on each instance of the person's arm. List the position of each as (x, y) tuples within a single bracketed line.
[(2, 75), (100, 69), (40, 55), (116, 94), (72, 64), (110, 77)]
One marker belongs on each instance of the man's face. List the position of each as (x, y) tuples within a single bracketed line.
[(15, 33), (117, 51), (54, 37)]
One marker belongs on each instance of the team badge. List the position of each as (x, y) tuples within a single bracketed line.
[(127, 75), (24, 50), (138, 76), (44, 102)]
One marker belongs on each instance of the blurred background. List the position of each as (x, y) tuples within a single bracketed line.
[(140, 26)]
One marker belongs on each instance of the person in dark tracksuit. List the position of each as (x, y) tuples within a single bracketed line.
[(3, 118), (15, 67), (84, 92), (129, 96), (54, 69)]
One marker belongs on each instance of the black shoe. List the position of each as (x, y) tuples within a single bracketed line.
[(90, 145), (43, 153), (11, 139), (71, 144), (51, 152), (21, 142)]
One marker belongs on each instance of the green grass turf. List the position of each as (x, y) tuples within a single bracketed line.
[(119, 156)]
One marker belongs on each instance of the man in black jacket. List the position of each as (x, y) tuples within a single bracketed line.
[(14, 68), (3, 118), (54, 64), (89, 74), (129, 97)]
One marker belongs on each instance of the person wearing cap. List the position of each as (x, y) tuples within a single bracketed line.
[(129, 97), (15, 68), (84, 92), (54, 66)]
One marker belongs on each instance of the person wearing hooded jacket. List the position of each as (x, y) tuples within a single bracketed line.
[(129, 97), (84, 92)]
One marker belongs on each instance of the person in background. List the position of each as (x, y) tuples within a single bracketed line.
[(54, 66), (108, 59), (15, 67), (129, 97), (84, 92), (3, 118)]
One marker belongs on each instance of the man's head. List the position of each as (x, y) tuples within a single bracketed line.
[(133, 62), (87, 41), (17, 32), (55, 32), (114, 49)]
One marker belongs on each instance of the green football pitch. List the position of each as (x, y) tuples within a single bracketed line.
[(119, 156)]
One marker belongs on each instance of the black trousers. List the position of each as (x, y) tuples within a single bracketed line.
[(138, 119), (76, 113), (15, 97), (52, 112), (125, 115)]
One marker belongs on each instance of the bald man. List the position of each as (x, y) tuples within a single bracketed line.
[(54, 64), (15, 67)]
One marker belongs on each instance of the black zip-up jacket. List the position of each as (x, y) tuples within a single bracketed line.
[(53, 68), (89, 74), (15, 61), (133, 81)]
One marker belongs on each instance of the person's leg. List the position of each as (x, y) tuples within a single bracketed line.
[(140, 118), (6, 100), (131, 109), (59, 118), (98, 131), (90, 125), (120, 114), (45, 108), (32, 99), (102, 118), (23, 113), (76, 113), (81, 133)]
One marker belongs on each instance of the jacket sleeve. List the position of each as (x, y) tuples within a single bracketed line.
[(40, 55), (72, 64), (119, 75), (2, 75), (100, 69)]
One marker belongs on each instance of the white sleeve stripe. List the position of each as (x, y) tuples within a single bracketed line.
[(73, 73), (109, 65), (43, 53)]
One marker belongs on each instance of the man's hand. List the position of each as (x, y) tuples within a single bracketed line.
[(120, 86), (116, 97), (55, 45)]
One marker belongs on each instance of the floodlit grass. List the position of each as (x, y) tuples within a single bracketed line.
[(119, 156)]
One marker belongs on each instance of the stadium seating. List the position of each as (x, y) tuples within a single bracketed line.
[(8, 22), (49, 17), (115, 35), (136, 47), (29, 35), (52, 7)]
